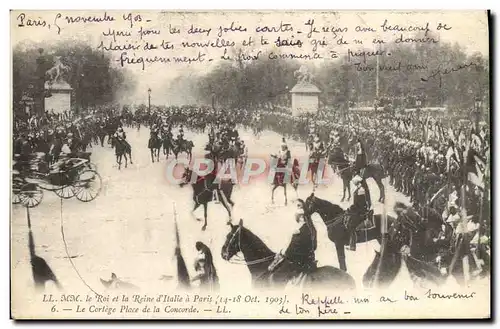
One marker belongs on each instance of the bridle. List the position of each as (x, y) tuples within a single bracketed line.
[(239, 260), (335, 221)]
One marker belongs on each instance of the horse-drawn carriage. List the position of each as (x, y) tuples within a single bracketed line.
[(69, 177)]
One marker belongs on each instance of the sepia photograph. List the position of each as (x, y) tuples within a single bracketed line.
[(252, 164)]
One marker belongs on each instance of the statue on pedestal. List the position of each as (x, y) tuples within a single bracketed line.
[(56, 74), (58, 90), (303, 75)]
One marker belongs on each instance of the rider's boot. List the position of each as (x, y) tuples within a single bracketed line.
[(352, 241)]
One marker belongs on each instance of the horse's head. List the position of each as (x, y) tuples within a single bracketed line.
[(311, 204), (232, 244)]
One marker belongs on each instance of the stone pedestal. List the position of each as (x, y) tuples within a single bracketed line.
[(60, 99)]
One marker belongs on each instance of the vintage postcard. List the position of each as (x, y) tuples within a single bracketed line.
[(250, 165)]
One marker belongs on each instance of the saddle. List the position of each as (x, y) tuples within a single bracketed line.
[(366, 223), (303, 268)]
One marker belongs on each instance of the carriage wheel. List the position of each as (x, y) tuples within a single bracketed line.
[(91, 166), (30, 195), (66, 192), (88, 185), (16, 198)]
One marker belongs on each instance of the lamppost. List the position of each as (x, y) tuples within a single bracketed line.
[(149, 99), (39, 90), (478, 103)]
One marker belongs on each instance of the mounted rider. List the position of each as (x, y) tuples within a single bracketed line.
[(282, 158), (121, 137), (360, 209), (283, 154), (360, 163), (301, 249)]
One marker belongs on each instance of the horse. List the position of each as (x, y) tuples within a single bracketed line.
[(333, 216), (280, 181), (54, 74), (183, 146), (101, 134), (258, 257), (407, 240), (154, 145), (346, 171), (122, 148), (203, 191), (314, 165), (424, 232), (167, 144)]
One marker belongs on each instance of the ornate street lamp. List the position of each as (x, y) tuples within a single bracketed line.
[(149, 99)]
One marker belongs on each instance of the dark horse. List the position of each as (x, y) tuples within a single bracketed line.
[(258, 257), (183, 146), (346, 171), (154, 145), (122, 148), (333, 216), (409, 241), (203, 192), (166, 141)]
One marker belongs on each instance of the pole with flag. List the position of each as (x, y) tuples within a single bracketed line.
[(378, 280), (182, 272)]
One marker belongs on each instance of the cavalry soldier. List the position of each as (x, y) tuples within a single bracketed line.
[(181, 132), (301, 249), (358, 211), (122, 137), (283, 155), (360, 162), (233, 133)]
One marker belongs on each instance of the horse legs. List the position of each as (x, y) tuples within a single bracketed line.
[(119, 161), (126, 159), (196, 205), (296, 188), (130, 155), (226, 205), (286, 200), (152, 156), (341, 256), (348, 185), (205, 206), (272, 193), (381, 188), (344, 187)]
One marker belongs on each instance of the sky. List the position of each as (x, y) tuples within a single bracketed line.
[(468, 28)]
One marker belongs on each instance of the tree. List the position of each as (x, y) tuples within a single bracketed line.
[(94, 80)]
